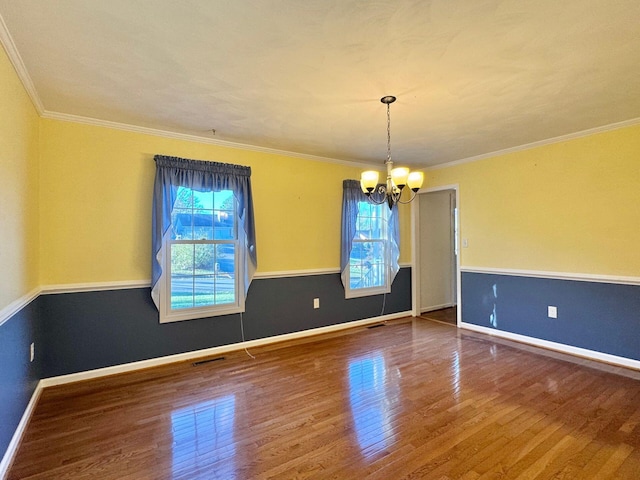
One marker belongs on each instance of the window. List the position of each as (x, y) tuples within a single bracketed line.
[(369, 246), (203, 238), (203, 257), (368, 272)]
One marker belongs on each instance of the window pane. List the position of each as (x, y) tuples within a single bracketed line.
[(181, 291), (364, 209), (182, 268), (225, 268), (225, 258), (182, 259), (376, 275), (223, 223), (370, 221), (224, 215), (363, 228), (203, 290), (355, 276), (366, 265), (204, 259), (375, 264), (204, 262), (223, 200), (357, 253), (182, 222), (203, 200), (184, 198), (225, 288), (202, 224)]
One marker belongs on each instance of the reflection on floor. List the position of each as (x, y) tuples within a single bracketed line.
[(444, 315), (203, 438), (413, 399)]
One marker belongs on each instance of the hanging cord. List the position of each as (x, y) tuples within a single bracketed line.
[(384, 301), (242, 330)]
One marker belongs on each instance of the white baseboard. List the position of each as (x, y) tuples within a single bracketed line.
[(432, 308), (559, 347), (12, 449), (180, 357)]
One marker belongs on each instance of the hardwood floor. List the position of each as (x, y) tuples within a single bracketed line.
[(412, 399), (444, 315)]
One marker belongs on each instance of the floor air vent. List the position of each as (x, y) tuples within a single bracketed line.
[(376, 325), (208, 360)]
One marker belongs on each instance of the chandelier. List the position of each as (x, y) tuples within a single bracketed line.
[(397, 178)]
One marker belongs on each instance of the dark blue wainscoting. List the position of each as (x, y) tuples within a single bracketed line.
[(90, 330), (76, 332), (603, 317), (18, 376)]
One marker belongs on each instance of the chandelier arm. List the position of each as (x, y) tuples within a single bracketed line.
[(380, 192), (413, 196), (370, 199)]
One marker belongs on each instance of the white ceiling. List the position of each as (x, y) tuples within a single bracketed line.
[(306, 76)]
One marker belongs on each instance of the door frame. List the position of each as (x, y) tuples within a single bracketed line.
[(415, 251)]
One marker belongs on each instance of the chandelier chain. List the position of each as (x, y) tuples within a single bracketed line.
[(388, 134)]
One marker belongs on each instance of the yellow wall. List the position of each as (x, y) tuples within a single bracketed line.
[(97, 192), (18, 187), (567, 207)]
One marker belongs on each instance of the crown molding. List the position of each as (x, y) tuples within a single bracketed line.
[(16, 60), (549, 141), (21, 70), (18, 65), (65, 117)]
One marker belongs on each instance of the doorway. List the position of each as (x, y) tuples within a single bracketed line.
[(436, 265)]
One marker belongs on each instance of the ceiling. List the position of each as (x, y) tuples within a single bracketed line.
[(306, 76)]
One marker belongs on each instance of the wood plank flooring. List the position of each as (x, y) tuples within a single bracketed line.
[(444, 315), (412, 399)]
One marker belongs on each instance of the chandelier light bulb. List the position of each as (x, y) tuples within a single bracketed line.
[(369, 181), (415, 180), (399, 176)]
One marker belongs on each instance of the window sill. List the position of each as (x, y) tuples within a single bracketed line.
[(195, 314), (366, 292)]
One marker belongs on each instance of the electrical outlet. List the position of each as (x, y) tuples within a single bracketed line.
[(552, 312), (32, 352), (465, 243), (316, 303)]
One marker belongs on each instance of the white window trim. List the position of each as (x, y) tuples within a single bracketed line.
[(167, 315)]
